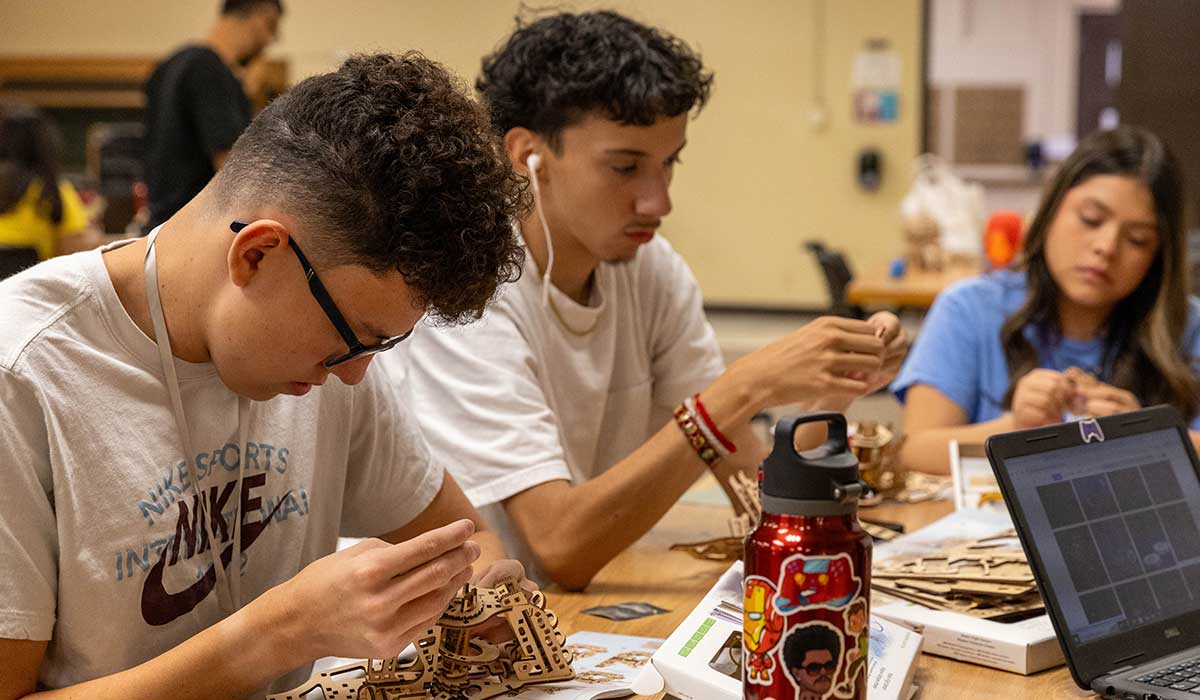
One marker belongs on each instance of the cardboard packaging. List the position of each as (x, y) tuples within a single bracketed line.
[(702, 659), (1024, 647)]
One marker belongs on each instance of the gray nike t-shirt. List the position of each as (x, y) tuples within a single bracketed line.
[(101, 549)]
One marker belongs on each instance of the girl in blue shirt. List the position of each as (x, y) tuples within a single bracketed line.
[(1094, 319)]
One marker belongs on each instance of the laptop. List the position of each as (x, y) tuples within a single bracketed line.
[(1108, 511)]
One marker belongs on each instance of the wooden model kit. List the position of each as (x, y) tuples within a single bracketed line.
[(876, 448), (452, 663), (985, 578)]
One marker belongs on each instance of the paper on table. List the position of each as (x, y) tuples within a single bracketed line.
[(605, 665), (959, 526)]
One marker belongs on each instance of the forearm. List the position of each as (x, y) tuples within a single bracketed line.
[(591, 523), (491, 548), (231, 659), (596, 520), (928, 450), (750, 454)]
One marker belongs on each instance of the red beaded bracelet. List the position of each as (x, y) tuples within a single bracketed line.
[(708, 422)]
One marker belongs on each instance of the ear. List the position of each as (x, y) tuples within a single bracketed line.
[(519, 144), (251, 245)]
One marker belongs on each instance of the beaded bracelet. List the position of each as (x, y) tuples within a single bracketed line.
[(691, 430), (722, 444), (712, 440)]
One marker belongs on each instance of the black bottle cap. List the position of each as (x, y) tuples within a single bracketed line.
[(826, 473)]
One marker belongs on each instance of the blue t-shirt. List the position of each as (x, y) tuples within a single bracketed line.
[(959, 353)]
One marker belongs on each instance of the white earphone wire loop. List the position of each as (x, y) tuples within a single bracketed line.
[(533, 162)]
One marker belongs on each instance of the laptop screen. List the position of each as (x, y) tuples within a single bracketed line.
[(1116, 527)]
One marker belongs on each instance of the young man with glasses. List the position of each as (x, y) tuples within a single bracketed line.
[(177, 466), (593, 394)]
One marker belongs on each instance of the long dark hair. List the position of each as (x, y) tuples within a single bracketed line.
[(29, 146), (1142, 344)]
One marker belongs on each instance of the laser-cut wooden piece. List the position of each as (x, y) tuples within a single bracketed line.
[(451, 663), (988, 578), (998, 609)]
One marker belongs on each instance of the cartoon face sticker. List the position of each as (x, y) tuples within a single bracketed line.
[(762, 628), (816, 582), (812, 654), (856, 618)]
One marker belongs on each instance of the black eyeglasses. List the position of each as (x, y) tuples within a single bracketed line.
[(357, 348), (815, 668)]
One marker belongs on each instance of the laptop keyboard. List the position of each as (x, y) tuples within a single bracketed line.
[(1181, 676)]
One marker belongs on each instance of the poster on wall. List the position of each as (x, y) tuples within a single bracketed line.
[(875, 83)]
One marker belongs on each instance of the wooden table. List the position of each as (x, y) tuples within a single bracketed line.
[(915, 289), (649, 572)]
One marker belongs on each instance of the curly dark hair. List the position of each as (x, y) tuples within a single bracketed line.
[(551, 73), (810, 638), (390, 165)]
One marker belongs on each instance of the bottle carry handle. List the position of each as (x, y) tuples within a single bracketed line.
[(835, 442)]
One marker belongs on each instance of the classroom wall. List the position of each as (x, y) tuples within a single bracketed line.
[(757, 180), (1031, 43)]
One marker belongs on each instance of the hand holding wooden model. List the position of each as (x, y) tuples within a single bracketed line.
[(454, 660)]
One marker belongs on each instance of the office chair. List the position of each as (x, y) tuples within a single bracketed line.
[(837, 278)]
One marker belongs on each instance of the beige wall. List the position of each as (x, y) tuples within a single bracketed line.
[(757, 178)]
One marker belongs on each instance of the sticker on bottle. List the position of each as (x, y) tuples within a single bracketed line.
[(808, 630), (762, 629), (816, 582)]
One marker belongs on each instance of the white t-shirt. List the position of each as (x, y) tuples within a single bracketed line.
[(516, 399), (96, 505)]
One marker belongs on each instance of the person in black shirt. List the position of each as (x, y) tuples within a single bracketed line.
[(196, 107)]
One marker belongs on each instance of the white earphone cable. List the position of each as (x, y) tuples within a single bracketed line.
[(533, 161)]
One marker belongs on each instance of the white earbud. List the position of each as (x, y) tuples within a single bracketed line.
[(533, 161)]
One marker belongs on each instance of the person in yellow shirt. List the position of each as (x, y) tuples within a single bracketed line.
[(49, 220)]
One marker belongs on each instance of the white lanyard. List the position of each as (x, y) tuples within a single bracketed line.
[(229, 596)]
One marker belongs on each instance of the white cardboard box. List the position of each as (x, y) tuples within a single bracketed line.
[(688, 665), (1022, 647)]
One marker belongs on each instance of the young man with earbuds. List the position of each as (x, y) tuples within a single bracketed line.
[(188, 421), (593, 394)]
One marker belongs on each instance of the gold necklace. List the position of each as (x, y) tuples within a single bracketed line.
[(567, 326)]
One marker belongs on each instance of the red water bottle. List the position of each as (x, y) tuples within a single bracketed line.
[(808, 571)]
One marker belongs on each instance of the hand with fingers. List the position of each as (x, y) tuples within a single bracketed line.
[(1040, 399), (895, 348), (828, 357), (504, 569), (497, 631), (1095, 398), (373, 599)]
